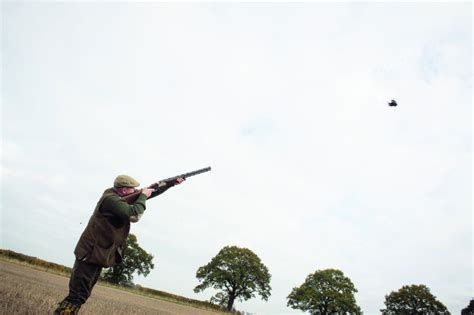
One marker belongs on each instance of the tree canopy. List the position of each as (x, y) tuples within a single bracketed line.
[(469, 310), (413, 300), (325, 292), (135, 259), (238, 273)]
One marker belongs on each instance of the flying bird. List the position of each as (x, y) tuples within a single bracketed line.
[(392, 103)]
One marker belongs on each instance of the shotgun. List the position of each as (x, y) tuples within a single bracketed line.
[(163, 185)]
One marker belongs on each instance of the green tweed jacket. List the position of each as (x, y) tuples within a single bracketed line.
[(104, 237)]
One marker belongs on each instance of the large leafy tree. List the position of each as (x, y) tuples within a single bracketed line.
[(413, 300), (325, 292), (238, 273), (135, 259)]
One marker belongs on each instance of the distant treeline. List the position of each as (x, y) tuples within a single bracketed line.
[(43, 264), (172, 297), (56, 268)]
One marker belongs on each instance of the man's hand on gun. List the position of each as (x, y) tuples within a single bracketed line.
[(148, 191)]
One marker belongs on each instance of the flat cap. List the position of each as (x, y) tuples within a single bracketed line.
[(125, 181)]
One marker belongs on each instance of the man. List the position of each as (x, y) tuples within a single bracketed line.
[(101, 244)]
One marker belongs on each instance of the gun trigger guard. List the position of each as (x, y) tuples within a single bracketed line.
[(161, 184)]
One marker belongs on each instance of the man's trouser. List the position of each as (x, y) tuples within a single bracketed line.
[(83, 278)]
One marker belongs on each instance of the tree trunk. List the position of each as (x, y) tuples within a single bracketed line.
[(230, 303)]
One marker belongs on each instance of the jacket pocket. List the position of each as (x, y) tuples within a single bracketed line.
[(103, 256)]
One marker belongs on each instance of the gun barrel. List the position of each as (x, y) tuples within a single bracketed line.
[(159, 189), (189, 174)]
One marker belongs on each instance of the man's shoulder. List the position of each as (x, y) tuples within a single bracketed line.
[(110, 193), (109, 196), (109, 201)]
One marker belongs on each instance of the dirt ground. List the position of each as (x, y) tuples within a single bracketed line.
[(24, 290)]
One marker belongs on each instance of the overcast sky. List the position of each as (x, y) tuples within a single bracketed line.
[(311, 169)]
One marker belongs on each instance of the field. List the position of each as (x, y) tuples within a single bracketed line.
[(25, 290)]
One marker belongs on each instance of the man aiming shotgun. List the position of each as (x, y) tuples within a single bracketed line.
[(102, 242)]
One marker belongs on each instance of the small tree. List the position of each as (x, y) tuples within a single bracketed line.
[(135, 259), (325, 292), (413, 300), (238, 272)]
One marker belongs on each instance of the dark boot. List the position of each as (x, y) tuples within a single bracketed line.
[(66, 308)]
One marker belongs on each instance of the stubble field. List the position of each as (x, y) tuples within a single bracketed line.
[(25, 290)]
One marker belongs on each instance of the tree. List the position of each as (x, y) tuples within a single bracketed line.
[(325, 292), (238, 272), (413, 300), (135, 259), (469, 310)]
